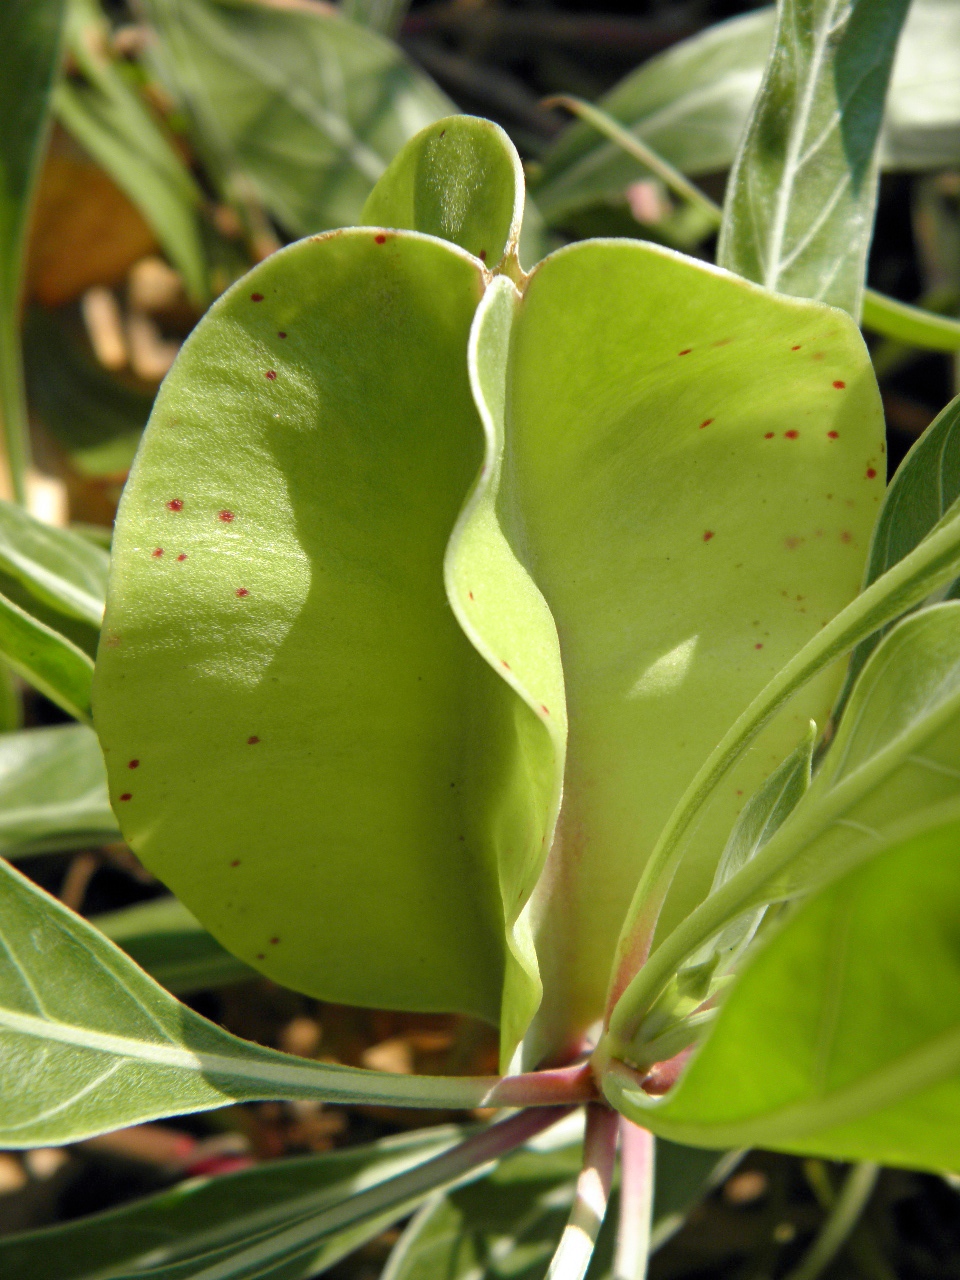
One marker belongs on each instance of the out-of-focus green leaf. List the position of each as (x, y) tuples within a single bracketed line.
[(112, 122), (678, 439), (204, 1221), (46, 659), (460, 179), (800, 201), (58, 567), (300, 106), (96, 417), (53, 791), (172, 946), (385, 16), (691, 103), (30, 38), (843, 1034)]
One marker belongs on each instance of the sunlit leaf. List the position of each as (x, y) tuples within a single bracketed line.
[(46, 658), (56, 566)]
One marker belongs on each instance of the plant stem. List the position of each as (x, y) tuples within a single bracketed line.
[(13, 401), (636, 1202), (560, 1086), (575, 1249), (842, 1219)]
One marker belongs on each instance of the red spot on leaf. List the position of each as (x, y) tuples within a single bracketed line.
[(271, 375), (182, 555), (722, 342), (505, 663), (758, 646), (252, 740), (839, 385), (470, 594), (134, 764), (281, 334), (705, 423), (175, 504), (768, 435), (708, 535), (545, 710), (792, 543), (817, 355), (225, 516), (235, 862), (797, 347), (833, 435), (274, 941), (871, 473), (256, 297), (483, 255), (846, 536), (261, 956), (791, 434), (157, 553), (381, 239), (242, 591), (126, 796), (685, 352)]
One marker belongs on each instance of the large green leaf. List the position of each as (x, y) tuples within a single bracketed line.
[(292, 103), (30, 39), (800, 200), (172, 946), (679, 442), (691, 103), (459, 179), (56, 566), (207, 1219), (53, 791), (289, 511), (508, 1224), (108, 117), (89, 1043), (843, 1035)]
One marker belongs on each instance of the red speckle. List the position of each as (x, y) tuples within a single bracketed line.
[(791, 544), (768, 435), (134, 764), (871, 473), (241, 592), (685, 352), (261, 956), (126, 796), (796, 348), (281, 334), (545, 710), (483, 255), (175, 504), (839, 385), (817, 355), (470, 594), (758, 646), (271, 375), (225, 516), (791, 434), (722, 342), (274, 941), (846, 536), (252, 740), (833, 435), (157, 553), (182, 555), (505, 663), (705, 423), (381, 239), (708, 535), (256, 297), (235, 862)]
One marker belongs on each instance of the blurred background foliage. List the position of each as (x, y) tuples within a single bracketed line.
[(189, 140)]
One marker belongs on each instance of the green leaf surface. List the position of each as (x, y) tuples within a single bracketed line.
[(291, 103), (95, 416), (800, 200), (53, 791), (508, 1224), (172, 946), (30, 32), (843, 1035), (317, 692), (677, 439), (459, 179), (46, 659), (207, 1220), (90, 1043), (691, 103), (56, 566), (101, 110)]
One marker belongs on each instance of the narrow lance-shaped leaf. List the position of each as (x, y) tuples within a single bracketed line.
[(89, 1043), (56, 566), (30, 38), (46, 659), (843, 1035), (800, 200)]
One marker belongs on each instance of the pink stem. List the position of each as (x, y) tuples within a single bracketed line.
[(557, 1087), (572, 1258), (636, 1202)]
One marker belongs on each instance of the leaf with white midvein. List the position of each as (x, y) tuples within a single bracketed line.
[(802, 192), (57, 567), (89, 1043)]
